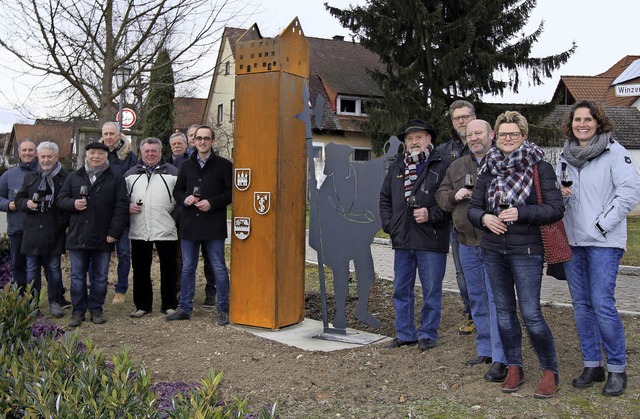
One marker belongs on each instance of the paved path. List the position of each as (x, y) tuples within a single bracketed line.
[(554, 292)]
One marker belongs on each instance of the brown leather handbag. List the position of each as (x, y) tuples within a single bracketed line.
[(554, 236)]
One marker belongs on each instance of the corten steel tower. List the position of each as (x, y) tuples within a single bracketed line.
[(269, 155)]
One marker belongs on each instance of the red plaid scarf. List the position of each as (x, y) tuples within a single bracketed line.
[(411, 163), (513, 174)]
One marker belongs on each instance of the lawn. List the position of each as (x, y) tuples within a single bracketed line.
[(632, 256)]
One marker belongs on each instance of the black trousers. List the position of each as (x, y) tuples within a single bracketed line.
[(141, 260)]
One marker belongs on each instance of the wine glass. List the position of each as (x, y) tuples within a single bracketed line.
[(566, 180), (503, 201), (84, 192), (413, 202), (468, 181), (453, 155), (196, 192), (36, 198), (139, 201)]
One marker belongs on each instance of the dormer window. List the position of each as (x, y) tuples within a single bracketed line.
[(351, 105)]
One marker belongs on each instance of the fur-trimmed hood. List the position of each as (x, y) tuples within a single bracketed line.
[(122, 147)]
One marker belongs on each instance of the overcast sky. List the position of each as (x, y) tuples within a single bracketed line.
[(605, 31)]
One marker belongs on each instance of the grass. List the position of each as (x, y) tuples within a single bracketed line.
[(632, 256)]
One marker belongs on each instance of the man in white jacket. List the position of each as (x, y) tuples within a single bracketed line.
[(150, 185)]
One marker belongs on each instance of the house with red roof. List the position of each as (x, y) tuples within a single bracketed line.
[(338, 73), (601, 88)]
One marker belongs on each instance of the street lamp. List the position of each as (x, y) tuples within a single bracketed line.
[(121, 74)]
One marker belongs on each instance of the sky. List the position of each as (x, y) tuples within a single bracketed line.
[(605, 31)]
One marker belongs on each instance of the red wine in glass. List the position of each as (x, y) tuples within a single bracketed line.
[(468, 181), (412, 202), (503, 201), (36, 198), (566, 180), (84, 192), (139, 201), (196, 192)]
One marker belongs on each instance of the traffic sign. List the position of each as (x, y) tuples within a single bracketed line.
[(128, 117)]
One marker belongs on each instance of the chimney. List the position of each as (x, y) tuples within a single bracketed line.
[(338, 37)]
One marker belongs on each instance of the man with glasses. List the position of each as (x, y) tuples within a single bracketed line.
[(203, 187), (461, 112)]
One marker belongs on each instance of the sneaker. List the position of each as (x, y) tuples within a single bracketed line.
[(223, 318), (76, 320), (64, 303), (136, 314), (97, 317), (178, 315), (168, 311), (467, 328), (55, 310), (118, 299), (209, 302)]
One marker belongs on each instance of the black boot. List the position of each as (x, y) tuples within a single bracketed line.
[(589, 376), (616, 383)]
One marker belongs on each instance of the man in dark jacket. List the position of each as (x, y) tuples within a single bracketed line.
[(178, 143), (44, 224), (97, 201), (121, 159), (10, 182), (461, 113), (204, 189), (419, 232)]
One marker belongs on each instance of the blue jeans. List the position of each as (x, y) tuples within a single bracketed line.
[(524, 272), (190, 252), (483, 306), (18, 260), (431, 267), (462, 284), (123, 251), (52, 271), (93, 298), (591, 275)]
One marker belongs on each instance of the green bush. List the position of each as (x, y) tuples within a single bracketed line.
[(52, 377)]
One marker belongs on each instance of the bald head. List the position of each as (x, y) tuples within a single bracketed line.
[(479, 137)]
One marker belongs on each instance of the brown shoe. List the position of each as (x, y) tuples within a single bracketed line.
[(118, 299), (548, 385), (515, 378)]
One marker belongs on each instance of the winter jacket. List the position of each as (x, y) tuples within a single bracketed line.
[(603, 192), (215, 182), (121, 158), (107, 211), (523, 236), (156, 194), (453, 181), (10, 182), (44, 232), (397, 216), (455, 144), (177, 161)]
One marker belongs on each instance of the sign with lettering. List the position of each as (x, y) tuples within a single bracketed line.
[(628, 90)]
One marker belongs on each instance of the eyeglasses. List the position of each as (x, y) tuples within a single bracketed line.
[(203, 138), (463, 117), (513, 135)]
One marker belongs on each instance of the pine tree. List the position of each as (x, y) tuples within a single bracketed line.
[(158, 106), (436, 51)]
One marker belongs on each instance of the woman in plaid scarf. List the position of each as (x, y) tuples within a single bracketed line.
[(504, 204)]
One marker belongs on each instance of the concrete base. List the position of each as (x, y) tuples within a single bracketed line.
[(309, 335)]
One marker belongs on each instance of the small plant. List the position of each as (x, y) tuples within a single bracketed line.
[(6, 269), (45, 373)]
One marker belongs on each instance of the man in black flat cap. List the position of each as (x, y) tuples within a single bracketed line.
[(97, 200), (419, 232)]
